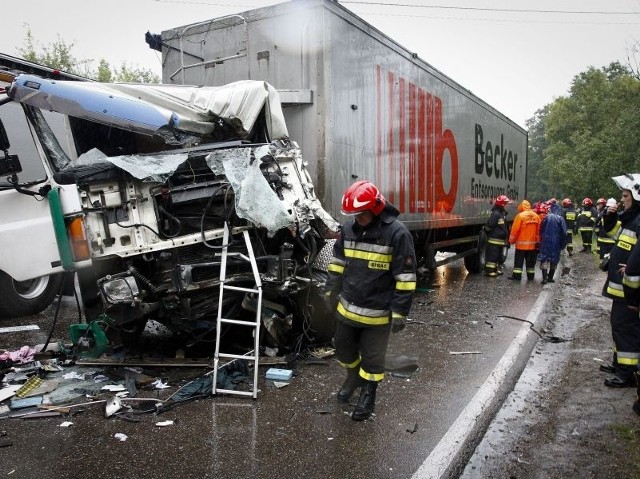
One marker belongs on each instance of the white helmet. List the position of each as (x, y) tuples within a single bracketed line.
[(629, 182), (611, 202)]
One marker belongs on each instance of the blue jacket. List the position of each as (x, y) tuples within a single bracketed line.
[(553, 236)]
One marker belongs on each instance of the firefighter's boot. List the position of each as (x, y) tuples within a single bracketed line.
[(552, 271), (636, 404), (351, 383), (545, 275), (366, 402)]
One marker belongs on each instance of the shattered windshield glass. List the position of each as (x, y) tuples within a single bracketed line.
[(255, 200)]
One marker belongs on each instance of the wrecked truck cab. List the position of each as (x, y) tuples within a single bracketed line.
[(155, 174)]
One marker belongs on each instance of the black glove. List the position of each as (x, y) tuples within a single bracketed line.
[(398, 322)]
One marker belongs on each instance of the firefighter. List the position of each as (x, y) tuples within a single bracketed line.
[(624, 227), (372, 278), (497, 235), (603, 242), (586, 221), (525, 233), (569, 215), (553, 239)]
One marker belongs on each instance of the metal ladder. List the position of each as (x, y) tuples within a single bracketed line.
[(252, 324)]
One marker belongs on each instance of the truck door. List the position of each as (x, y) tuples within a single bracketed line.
[(28, 247)]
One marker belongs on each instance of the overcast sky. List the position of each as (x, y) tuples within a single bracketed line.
[(515, 60)]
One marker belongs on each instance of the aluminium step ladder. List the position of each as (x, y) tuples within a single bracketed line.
[(257, 290)]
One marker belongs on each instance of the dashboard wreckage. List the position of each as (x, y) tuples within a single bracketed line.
[(140, 187)]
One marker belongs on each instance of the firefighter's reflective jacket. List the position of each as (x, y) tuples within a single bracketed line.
[(569, 215), (587, 219), (373, 269), (624, 228), (600, 231), (497, 228), (525, 231)]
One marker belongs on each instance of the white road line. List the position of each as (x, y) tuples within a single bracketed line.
[(452, 443), (15, 329)]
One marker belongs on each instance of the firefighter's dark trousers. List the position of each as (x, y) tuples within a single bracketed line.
[(525, 256), (625, 329), (493, 257), (569, 241), (363, 345), (587, 237)]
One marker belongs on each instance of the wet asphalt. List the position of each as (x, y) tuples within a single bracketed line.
[(295, 431)]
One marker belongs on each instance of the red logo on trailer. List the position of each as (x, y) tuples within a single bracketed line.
[(411, 147)]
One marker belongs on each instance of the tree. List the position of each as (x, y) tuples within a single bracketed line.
[(580, 141), (59, 54)]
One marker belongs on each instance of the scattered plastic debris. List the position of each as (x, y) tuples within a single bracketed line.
[(120, 437), (164, 423), (158, 384), (66, 424), (465, 352)]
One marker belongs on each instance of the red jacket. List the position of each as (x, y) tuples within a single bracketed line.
[(525, 231)]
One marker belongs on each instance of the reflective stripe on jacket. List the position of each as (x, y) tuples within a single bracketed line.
[(373, 269), (624, 228), (525, 231)]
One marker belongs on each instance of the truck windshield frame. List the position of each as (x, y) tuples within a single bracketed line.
[(55, 155)]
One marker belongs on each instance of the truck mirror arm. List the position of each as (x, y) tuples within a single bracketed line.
[(42, 192)]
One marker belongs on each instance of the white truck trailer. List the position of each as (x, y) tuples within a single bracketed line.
[(363, 107)]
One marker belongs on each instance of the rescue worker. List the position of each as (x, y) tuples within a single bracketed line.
[(631, 285), (553, 239), (525, 233), (497, 235), (372, 278), (624, 227), (596, 229), (604, 243), (586, 221), (569, 215)]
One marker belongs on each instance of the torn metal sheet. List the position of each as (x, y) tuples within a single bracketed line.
[(155, 109)]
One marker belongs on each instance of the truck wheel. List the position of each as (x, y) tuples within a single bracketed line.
[(475, 262), (23, 298)]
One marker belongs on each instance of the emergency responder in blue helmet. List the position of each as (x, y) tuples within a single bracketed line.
[(569, 215), (624, 227), (586, 221), (497, 235), (372, 274), (603, 241)]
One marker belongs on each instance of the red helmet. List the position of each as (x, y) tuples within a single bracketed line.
[(602, 201), (362, 196), (587, 202), (502, 200), (541, 208), (566, 202)]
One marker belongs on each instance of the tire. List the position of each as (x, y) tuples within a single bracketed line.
[(503, 255), (24, 298), (475, 262)]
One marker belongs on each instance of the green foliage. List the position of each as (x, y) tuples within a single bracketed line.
[(578, 142), (59, 55)]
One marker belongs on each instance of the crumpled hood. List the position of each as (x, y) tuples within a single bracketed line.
[(154, 108)]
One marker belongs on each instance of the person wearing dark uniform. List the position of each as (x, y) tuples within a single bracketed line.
[(624, 227), (604, 242), (586, 221), (497, 235), (569, 215), (372, 279)]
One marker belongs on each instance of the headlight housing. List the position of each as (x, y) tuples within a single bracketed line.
[(121, 290)]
